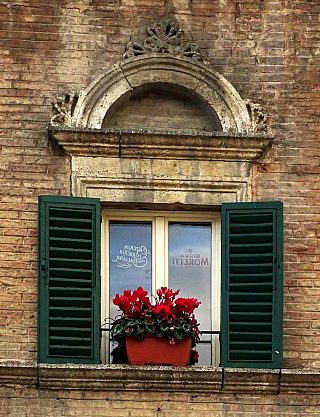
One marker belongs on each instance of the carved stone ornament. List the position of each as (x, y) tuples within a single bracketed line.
[(164, 38), (258, 118), (64, 106)]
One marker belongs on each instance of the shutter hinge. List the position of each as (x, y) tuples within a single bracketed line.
[(278, 265), (44, 270)]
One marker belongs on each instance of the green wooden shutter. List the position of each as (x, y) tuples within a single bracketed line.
[(69, 280), (252, 296)]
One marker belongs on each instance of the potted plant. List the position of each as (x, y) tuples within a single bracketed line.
[(161, 332)]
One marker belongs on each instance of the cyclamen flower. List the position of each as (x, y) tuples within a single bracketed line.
[(162, 309), (168, 313), (194, 356), (133, 304), (186, 305), (166, 293)]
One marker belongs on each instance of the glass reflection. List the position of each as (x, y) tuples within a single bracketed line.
[(190, 255), (129, 258)]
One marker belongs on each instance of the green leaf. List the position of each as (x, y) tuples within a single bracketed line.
[(164, 328), (139, 329), (150, 327), (159, 332), (178, 334), (118, 329)]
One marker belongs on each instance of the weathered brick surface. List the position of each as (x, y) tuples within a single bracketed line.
[(269, 50), (30, 402)]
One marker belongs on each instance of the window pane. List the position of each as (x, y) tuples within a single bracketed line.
[(130, 258), (190, 256)]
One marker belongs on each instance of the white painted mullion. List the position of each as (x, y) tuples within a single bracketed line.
[(216, 289), (166, 252), (159, 255)]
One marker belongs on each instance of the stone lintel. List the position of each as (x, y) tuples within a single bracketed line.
[(127, 143), (161, 181), (243, 380)]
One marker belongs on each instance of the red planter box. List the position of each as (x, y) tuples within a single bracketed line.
[(154, 350)]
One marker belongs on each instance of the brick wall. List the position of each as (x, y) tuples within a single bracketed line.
[(26, 403), (268, 49)]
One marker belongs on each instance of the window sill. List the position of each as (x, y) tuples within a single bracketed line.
[(140, 143), (159, 378)]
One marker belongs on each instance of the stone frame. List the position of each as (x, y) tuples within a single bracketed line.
[(223, 159)]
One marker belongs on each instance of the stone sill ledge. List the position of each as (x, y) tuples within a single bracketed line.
[(159, 378), (140, 143)]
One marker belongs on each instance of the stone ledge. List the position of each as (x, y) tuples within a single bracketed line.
[(159, 378), (125, 377), (243, 380), (296, 381), (126, 143), (18, 374)]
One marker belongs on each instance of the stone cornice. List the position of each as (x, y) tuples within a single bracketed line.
[(160, 378), (127, 143)]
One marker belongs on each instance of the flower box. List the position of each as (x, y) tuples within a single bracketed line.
[(161, 333), (154, 350)]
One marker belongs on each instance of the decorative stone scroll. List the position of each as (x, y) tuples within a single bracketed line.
[(64, 106), (164, 38), (258, 118)]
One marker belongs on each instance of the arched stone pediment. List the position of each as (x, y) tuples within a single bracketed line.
[(156, 160), (239, 131), (204, 84)]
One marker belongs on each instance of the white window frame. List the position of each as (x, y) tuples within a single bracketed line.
[(160, 221)]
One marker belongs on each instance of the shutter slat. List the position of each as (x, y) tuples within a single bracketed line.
[(248, 337), (247, 286), (251, 346), (69, 329), (70, 243), (70, 229), (70, 322), (70, 308), (74, 263), (70, 340), (251, 305), (72, 283)]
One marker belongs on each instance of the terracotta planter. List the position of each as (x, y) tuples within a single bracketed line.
[(154, 350)]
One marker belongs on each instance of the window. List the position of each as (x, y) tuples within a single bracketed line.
[(180, 250), (251, 273)]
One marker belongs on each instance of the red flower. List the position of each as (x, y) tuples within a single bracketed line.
[(186, 305), (133, 304), (194, 356), (137, 305), (162, 309)]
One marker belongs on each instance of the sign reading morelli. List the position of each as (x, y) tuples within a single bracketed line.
[(190, 259)]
